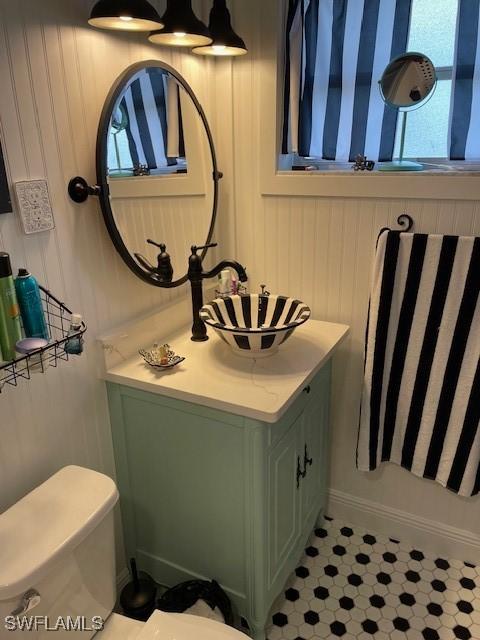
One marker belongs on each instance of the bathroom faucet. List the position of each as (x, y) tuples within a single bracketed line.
[(163, 271), (196, 275)]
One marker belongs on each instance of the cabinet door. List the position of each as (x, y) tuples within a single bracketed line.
[(314, 452), (184, 488), (284, 499)]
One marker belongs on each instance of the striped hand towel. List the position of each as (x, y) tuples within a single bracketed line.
[(421, 391)]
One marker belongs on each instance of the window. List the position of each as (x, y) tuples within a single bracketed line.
[(119, 155), (120, 162), (432, 32), (336, 51)]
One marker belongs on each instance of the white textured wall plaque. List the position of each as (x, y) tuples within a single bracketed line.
[(34, 206)]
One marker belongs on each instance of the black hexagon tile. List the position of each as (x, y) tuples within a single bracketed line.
[(370, 626), (292, 595), (353, 584), (408, 599), (331, 570), (362, 558), (311, 617), (465, 607), (346, 603), (302, 572), (321, 593), (338, 550), (435, 609), (355, 580), (383, 578), (338, 628)]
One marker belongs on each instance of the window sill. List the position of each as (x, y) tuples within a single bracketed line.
[(431, 166), (433, 184)]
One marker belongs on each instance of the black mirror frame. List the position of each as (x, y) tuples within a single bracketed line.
[(101, 164)]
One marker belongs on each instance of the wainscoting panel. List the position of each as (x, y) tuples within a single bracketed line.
[(55, 73), (321, 250)]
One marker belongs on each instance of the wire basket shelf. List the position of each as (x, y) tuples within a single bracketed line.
[(58, 318)]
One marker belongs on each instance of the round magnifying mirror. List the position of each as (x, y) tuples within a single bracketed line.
[(407, 83), (157, 172)]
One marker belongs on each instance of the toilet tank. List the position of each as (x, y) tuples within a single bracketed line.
[(59, 541)]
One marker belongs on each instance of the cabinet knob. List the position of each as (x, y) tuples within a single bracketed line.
[(307, 389), (306, 461), (300, 473)]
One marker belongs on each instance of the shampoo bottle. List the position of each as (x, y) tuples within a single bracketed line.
[(31, 308), (10, 326)]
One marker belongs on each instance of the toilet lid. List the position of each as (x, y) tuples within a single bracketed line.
[(181, 626)]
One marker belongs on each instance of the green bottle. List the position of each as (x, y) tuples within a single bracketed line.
[(10, 326)]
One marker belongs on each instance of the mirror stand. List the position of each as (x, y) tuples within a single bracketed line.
[(401, 164)]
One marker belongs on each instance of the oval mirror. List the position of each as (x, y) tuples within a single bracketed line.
[(408, 81), (157, 172)]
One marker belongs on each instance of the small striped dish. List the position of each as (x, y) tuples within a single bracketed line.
[(255, 325)]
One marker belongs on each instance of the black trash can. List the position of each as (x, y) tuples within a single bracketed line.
[(184, 596)]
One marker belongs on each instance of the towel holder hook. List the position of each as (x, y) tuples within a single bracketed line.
[(405, 221)]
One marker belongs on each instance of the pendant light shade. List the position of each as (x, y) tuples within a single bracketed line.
[(125, 15), (225, 41), (182, 27)]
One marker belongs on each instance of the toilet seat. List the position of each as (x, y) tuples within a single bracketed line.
[(182, 626), (167, 626), (119, 627)]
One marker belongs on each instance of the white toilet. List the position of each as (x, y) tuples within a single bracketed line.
[(57, 560)]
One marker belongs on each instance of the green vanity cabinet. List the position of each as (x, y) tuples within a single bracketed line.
[(207, 494)]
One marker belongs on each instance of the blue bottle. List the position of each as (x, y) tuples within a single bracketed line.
[(74, 345), (31, 308)]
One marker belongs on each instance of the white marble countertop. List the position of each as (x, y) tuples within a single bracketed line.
[(213, 376)]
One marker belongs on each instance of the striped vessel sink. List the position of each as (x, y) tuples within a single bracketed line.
[(255, 325)]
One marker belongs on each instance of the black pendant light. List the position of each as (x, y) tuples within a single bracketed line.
[(125, 15), (182, 27), (225, 41)]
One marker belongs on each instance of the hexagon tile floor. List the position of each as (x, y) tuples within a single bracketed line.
[(356, 585)]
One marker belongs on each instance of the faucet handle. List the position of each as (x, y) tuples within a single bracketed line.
[(263, 287), (205, 246), (160, 245)]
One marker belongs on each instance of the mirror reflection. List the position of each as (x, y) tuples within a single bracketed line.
[(158, 162), (146, 129), (408, 80)]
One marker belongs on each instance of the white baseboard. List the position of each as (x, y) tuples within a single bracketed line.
[(432, 537)]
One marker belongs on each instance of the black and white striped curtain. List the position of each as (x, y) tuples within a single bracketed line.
[(465, 112), (336, 53), (154, 129)]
